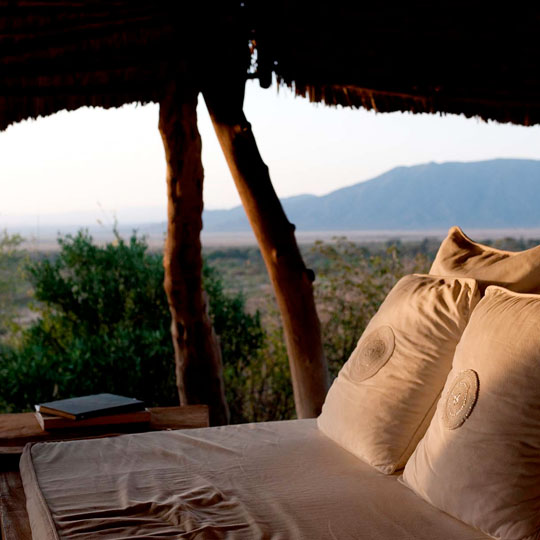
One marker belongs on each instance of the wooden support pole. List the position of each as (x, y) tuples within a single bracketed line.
[(292, 281), (197, 353)]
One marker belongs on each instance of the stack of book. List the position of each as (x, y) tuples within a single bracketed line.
[(88, 411)]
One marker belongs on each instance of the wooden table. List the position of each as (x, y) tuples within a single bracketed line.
[(16, 430)]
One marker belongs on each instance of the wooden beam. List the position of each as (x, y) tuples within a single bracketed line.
[(291, 280), (199, 371)]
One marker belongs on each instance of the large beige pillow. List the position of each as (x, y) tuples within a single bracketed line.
[(480, 458), (459, 256), (381, 403)]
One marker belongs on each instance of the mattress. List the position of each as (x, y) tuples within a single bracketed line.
[(275, 480)]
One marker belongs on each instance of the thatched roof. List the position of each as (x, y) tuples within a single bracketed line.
[(474, 58), (63, 55), (457, 57)]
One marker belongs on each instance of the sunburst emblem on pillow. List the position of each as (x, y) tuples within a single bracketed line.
[(372, 352), (461, 399)]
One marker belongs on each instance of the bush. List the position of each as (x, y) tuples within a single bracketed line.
[(257, 379), (351, 284), (105, 327), (13, 291)]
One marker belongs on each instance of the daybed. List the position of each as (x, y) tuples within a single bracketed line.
[(442, 387), (279, 480)]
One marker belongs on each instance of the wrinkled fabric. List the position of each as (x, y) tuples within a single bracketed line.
[(276, 480)]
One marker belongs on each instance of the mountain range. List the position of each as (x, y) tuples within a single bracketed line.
[(498, 193)]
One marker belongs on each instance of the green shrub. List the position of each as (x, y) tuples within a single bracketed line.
[(350, 286), (104, 326), (257, 379), (13, 289)]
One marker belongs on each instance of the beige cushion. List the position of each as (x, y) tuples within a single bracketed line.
[(459, 256), (381, 403), (480, 462)]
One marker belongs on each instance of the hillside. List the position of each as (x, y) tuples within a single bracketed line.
[(498, 193)]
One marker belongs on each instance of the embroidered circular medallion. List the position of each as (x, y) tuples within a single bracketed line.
[(371, 353), (461, 399)]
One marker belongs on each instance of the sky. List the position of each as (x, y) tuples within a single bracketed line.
[(103, 164)]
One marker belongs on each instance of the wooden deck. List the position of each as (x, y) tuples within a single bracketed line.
[(14, 522)]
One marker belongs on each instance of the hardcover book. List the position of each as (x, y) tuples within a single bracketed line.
[(83, 407)]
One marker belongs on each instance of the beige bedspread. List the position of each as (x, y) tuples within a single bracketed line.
[(278, 480)]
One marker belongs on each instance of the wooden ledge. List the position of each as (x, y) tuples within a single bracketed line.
[(16, 430)]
